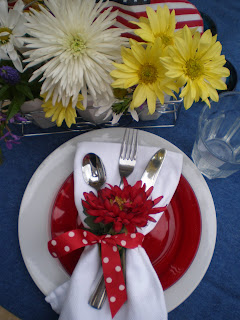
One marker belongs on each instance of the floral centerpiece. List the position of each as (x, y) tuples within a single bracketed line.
[(70, 55)]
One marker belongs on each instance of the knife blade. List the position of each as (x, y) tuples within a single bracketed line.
[(153, 168)]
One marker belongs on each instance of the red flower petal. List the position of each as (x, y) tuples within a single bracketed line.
[(157, 200), (117, 226), (149, 191)]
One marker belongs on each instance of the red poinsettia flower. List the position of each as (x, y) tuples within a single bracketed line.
[(129, 207)]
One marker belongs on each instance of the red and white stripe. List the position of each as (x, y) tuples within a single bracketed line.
[(185, 12)]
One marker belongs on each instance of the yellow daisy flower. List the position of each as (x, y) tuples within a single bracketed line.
[(198, 64), (159, 25), (142, 68), (59, 113)]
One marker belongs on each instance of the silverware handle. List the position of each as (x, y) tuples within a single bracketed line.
[(99, 295), (121, 185)]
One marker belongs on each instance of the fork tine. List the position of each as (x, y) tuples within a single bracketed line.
[(124, 143), (133, 153), (129, 144)]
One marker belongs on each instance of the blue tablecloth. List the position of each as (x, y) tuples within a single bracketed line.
[(218, 294)]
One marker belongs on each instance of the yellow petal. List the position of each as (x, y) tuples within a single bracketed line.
[(213, 94), (125, 83), (182, 48), (188, 101), (160, 94), (207, 102), (145, 35), (217, 83), (153, 19), (124, 67), (61, 117), (129, 59), (139, 96), (138, 52), (122, 75), (151, 100)]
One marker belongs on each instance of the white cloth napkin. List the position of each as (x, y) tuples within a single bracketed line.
[(144, 290)]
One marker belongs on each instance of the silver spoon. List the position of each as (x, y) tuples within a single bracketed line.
[(94, 174), (93, 171)]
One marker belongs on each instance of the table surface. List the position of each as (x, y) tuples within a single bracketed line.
[(218, 294)]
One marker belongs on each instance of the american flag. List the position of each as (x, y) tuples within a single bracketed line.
[(131, 10)]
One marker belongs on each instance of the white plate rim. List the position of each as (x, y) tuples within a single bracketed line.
[(34, 217)]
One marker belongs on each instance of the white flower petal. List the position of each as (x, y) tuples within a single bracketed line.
[(12, 19), (134, 114), (116, 118), (4, 12), (55, 42), (16, 60)]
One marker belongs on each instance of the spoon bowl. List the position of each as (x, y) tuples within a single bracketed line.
[(93, 170)]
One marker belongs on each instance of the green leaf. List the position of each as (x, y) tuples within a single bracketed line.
[(97, 228), (15, 105), (92, 225), (25, 90), (4, 92)]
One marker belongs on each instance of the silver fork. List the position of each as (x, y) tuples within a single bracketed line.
[(128, 153), (127, 161)]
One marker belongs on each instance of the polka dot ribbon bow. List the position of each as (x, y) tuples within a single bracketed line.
[(111, 263)]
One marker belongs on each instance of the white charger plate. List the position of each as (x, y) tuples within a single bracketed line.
[(35, 215)]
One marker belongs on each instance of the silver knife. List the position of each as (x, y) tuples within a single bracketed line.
[(149, 178), (153, 168)]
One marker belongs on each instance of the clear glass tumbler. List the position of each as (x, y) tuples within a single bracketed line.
[(216, 151)]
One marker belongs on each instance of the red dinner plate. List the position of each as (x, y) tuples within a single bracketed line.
[(171, 245)]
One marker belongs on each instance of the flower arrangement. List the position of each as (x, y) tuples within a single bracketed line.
[(69, 53)]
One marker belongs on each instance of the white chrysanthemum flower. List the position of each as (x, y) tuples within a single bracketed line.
[(75, 45), (12, 30)]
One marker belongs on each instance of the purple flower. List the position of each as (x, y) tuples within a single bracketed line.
[(9, 143), (9, 133), (13, 139), (9, 75), (17, 117)]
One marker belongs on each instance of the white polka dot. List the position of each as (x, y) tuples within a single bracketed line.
[(112, 299), (54, 242), (118, 268), (106, 260), (133, 235), (109, 280), (108, 236), (94, 241), (54, 254), (121, 287), (84, 233), (84, 241), (104, 242), (66, 248), (71, 234), (114, 248), (123, 243)]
